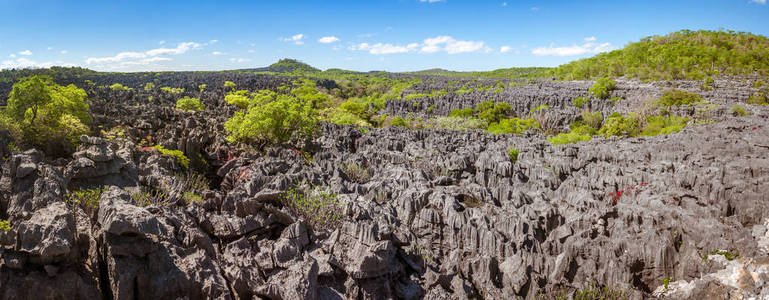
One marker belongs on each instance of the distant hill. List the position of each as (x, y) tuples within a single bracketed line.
[(509, 73), (679, 55)]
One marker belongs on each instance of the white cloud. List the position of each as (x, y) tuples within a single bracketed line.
[(251, 51), (26, 52), (63, 51), (218, 53), (49, 48), (431, 45), (589, 47), (23, 63), (11, 55), (432, 1), (144, 58), (762, 2), (211, 42), (180, 49), (161, 42), (328, 39), (240, 60), (505, 49), (297, 39)]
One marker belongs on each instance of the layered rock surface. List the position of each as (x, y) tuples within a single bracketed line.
[(442, 214)]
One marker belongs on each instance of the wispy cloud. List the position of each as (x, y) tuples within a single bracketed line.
[(23, 63), (431, 45), (762, 2), (508, 49), (590, 46), (240, 60), (328, 40), (146, 57), (25, 52), (218, 53), (432, 1), (63, 52), (297, 39)]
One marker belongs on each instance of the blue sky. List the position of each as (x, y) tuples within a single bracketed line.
[(392, 35)]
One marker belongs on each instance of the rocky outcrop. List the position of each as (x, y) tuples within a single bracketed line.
[(433, 214)]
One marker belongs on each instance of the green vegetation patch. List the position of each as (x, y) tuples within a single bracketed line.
[(119, 87), (177, 154), (5, 225), (602, 88), (172, 90), (579, 101), (277, 121), (321, 209), (676, 97), (190, 104), (656, 125)]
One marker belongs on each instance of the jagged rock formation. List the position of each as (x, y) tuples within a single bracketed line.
[(441, 214)]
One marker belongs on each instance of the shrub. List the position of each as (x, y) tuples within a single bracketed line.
[(172, 90), (493, 112), (579, 101), (614, 100), (431, 108), (569, 138), (149, 86), (229, 85), (355, 172), (676, 97), (190, 104), (202, 87), (177, 154), (456, 123), (87, 199), (274, 122), (728, 255), (308, 92), (513, 153), (739, 110), (44, 114), (342, 117), (708, 83), (119, 87), (462, 113), (398, 121), (5, 225), (191, 186), (602, 87), (241, 99), (321, 209), (148, 196), (593, 119), (618, 125), (539, 107), (513, 126), (759, 99), (656, 125)]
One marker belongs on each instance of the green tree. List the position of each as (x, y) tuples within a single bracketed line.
[(190, 104), (274, 122), (47, 115), (229, 85)]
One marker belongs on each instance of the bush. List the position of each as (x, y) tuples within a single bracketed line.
[(149, 86), (177, 154), (513, 126), (493, 112), (274, 122), (602, 88), (462, 113), (618, 125), (708, 83), (539, 107), (579, 102), (87, 199), (5, 225), (321, 209), (190, 104), (202, 87), (229, 85), (456, 123), (308, 92), (513, 153), (119, 87), (355, 172), (759, 99), (614, 100), (44, 114), (172, 90), (739, 110), (594, 119), (656, 125), (569, 138), (398, 121), (676, 97)]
